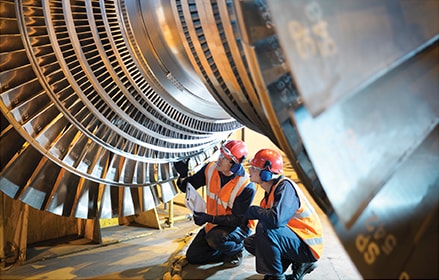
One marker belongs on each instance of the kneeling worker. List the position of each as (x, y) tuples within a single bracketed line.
[(289, 231), (229, 194)]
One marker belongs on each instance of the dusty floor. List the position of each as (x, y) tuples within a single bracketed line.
[(133, 252)]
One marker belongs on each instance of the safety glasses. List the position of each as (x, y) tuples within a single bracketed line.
[(228, 154), (254, 168)]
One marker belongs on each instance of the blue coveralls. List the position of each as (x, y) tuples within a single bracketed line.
[(224, 240), (274, 244)]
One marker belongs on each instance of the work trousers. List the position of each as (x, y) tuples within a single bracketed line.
[(214, 246), (276, 249)]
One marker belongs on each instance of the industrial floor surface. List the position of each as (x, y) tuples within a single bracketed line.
[(135, 252)]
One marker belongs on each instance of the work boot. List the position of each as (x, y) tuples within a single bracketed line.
[(300, 269), (233, 261)]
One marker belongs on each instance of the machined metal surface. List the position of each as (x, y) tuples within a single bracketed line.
[(367, 75), (98, 98)]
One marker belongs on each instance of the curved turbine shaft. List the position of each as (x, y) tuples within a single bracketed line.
[(90, 114)]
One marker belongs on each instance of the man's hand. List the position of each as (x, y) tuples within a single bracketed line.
[(201, 218), (253, 212), (182, 167)]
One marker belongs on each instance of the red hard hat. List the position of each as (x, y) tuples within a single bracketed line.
[(234, 150), (268, 159)]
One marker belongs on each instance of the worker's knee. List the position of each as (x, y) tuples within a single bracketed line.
[(192, 258), (216, 238)]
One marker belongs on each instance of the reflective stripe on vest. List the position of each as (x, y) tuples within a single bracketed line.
[(220, 200), (305, 222)]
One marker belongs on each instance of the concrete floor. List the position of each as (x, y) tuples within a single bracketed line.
[(134, 252)]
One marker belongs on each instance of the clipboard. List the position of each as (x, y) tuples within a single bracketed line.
[(193, 200)]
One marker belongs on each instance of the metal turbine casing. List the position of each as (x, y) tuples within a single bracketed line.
[(91, 110)]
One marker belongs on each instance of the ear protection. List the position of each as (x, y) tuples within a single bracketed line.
[(265, 173), (237, 168)]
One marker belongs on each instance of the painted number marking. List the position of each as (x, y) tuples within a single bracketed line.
[(377, 240), (314, 40)]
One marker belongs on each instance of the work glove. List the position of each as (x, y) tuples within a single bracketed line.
[(237, 236), (200, 218), (182, 167), (253, 212)]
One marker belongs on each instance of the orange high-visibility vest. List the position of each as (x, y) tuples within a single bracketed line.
[(219, 200), (305, 222)]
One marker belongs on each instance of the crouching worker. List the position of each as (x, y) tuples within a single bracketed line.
[(229, 195), (288, 232)]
